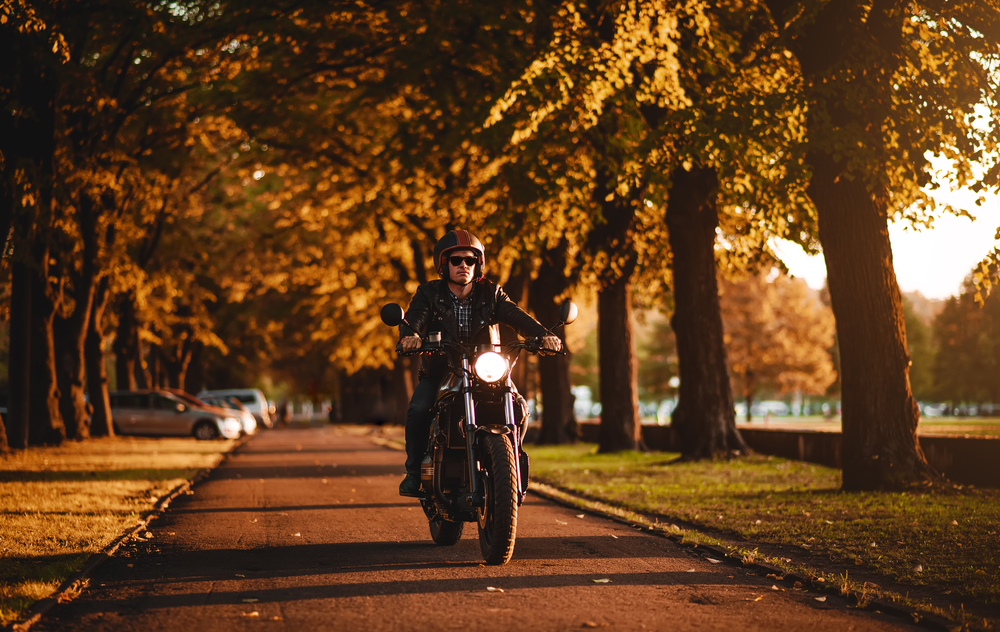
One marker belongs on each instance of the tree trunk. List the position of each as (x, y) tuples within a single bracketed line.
[(101, 423), (879, 414), (125, 347), (194, 378), (620, 423), (704, 421), (174, 367), (19, 365), (558, 420), (69, 340), (155, 362), (72, 330), (46, 425)]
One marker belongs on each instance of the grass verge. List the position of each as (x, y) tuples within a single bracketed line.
[(60, 505), (945, 540)]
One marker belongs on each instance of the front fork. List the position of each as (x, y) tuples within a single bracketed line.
[(515, 437), (470, 431), (470, 434)]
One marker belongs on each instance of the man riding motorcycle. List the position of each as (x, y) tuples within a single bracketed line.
[(465, 307)]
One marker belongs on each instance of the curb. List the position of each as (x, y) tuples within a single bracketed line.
[(909, 615), (77, 582)]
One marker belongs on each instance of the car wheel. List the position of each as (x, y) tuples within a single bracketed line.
[(205, 431)]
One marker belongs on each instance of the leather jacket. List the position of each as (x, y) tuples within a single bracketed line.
[(432, 309)]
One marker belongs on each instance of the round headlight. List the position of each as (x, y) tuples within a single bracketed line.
[(491, 366)]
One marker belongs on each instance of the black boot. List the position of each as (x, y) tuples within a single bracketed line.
[(410, 485)]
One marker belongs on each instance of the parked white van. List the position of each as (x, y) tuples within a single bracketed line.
[(252, 398)]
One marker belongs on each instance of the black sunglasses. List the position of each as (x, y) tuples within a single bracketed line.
[(469, 261)]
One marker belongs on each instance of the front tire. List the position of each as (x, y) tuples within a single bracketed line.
[(498, 517)]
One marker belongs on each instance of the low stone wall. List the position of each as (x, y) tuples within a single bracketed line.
[(965, 460)]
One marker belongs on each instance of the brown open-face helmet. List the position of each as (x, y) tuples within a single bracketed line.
[(459, 240)]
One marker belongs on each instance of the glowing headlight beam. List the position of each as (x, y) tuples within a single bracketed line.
[(491, 366)]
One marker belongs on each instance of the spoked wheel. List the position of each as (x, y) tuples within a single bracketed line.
[(498, 517)]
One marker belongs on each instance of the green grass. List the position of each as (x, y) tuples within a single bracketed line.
[(60, 505), (938, 537)]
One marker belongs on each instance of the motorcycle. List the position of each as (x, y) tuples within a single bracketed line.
[(475, 469)]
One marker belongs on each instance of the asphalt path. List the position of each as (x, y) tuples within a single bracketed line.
[(303, 530)]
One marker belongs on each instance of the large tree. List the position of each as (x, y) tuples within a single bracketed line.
[(887, 84)]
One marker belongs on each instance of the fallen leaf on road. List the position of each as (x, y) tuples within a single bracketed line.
[(690, 570), (590, 624), (276, 618), (777, 577), (325, 481), (558, 521), (602, 581), (580, 515), (954, 522), (297, 535), (254, 520), (614, 536), (759, 598), (773, 587), (238, 575), (820, 598), (493, 589), (171, 533), (251, 614), (715, 561), (251, 600)]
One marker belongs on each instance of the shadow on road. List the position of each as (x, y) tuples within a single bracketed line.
[(236, 470)]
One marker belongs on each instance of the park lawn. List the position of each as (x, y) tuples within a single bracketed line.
[(947, 538), (60, 505)]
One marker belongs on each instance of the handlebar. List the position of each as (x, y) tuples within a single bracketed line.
[(531, 345)]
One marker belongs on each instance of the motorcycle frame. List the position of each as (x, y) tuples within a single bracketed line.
[(471, 429)]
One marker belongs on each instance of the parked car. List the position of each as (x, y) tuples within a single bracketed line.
[(162, 413), (230, 403), (247, 422), (252, 398)]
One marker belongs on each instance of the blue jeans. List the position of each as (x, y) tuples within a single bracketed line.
[(418, 421)]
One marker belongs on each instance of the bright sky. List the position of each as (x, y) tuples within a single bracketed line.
[(933, 261)]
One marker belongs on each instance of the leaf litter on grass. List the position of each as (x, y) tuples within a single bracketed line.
[(949, 534), (59, 505)]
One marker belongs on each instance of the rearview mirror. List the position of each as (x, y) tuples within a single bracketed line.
[(568, 312), (392, 314)]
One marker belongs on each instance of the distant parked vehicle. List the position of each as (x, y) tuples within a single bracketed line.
[(162, 413), (230, 403), (252, 398)]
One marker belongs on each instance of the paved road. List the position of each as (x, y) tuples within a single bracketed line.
[(303, 530)]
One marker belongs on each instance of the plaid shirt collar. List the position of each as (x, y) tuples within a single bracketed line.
[(463, 313)]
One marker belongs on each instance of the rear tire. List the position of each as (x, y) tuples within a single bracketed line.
[(498, 518), (205, 431), (445, 532)]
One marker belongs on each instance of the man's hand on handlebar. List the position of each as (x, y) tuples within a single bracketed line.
[(552, 343), (410, 343)]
